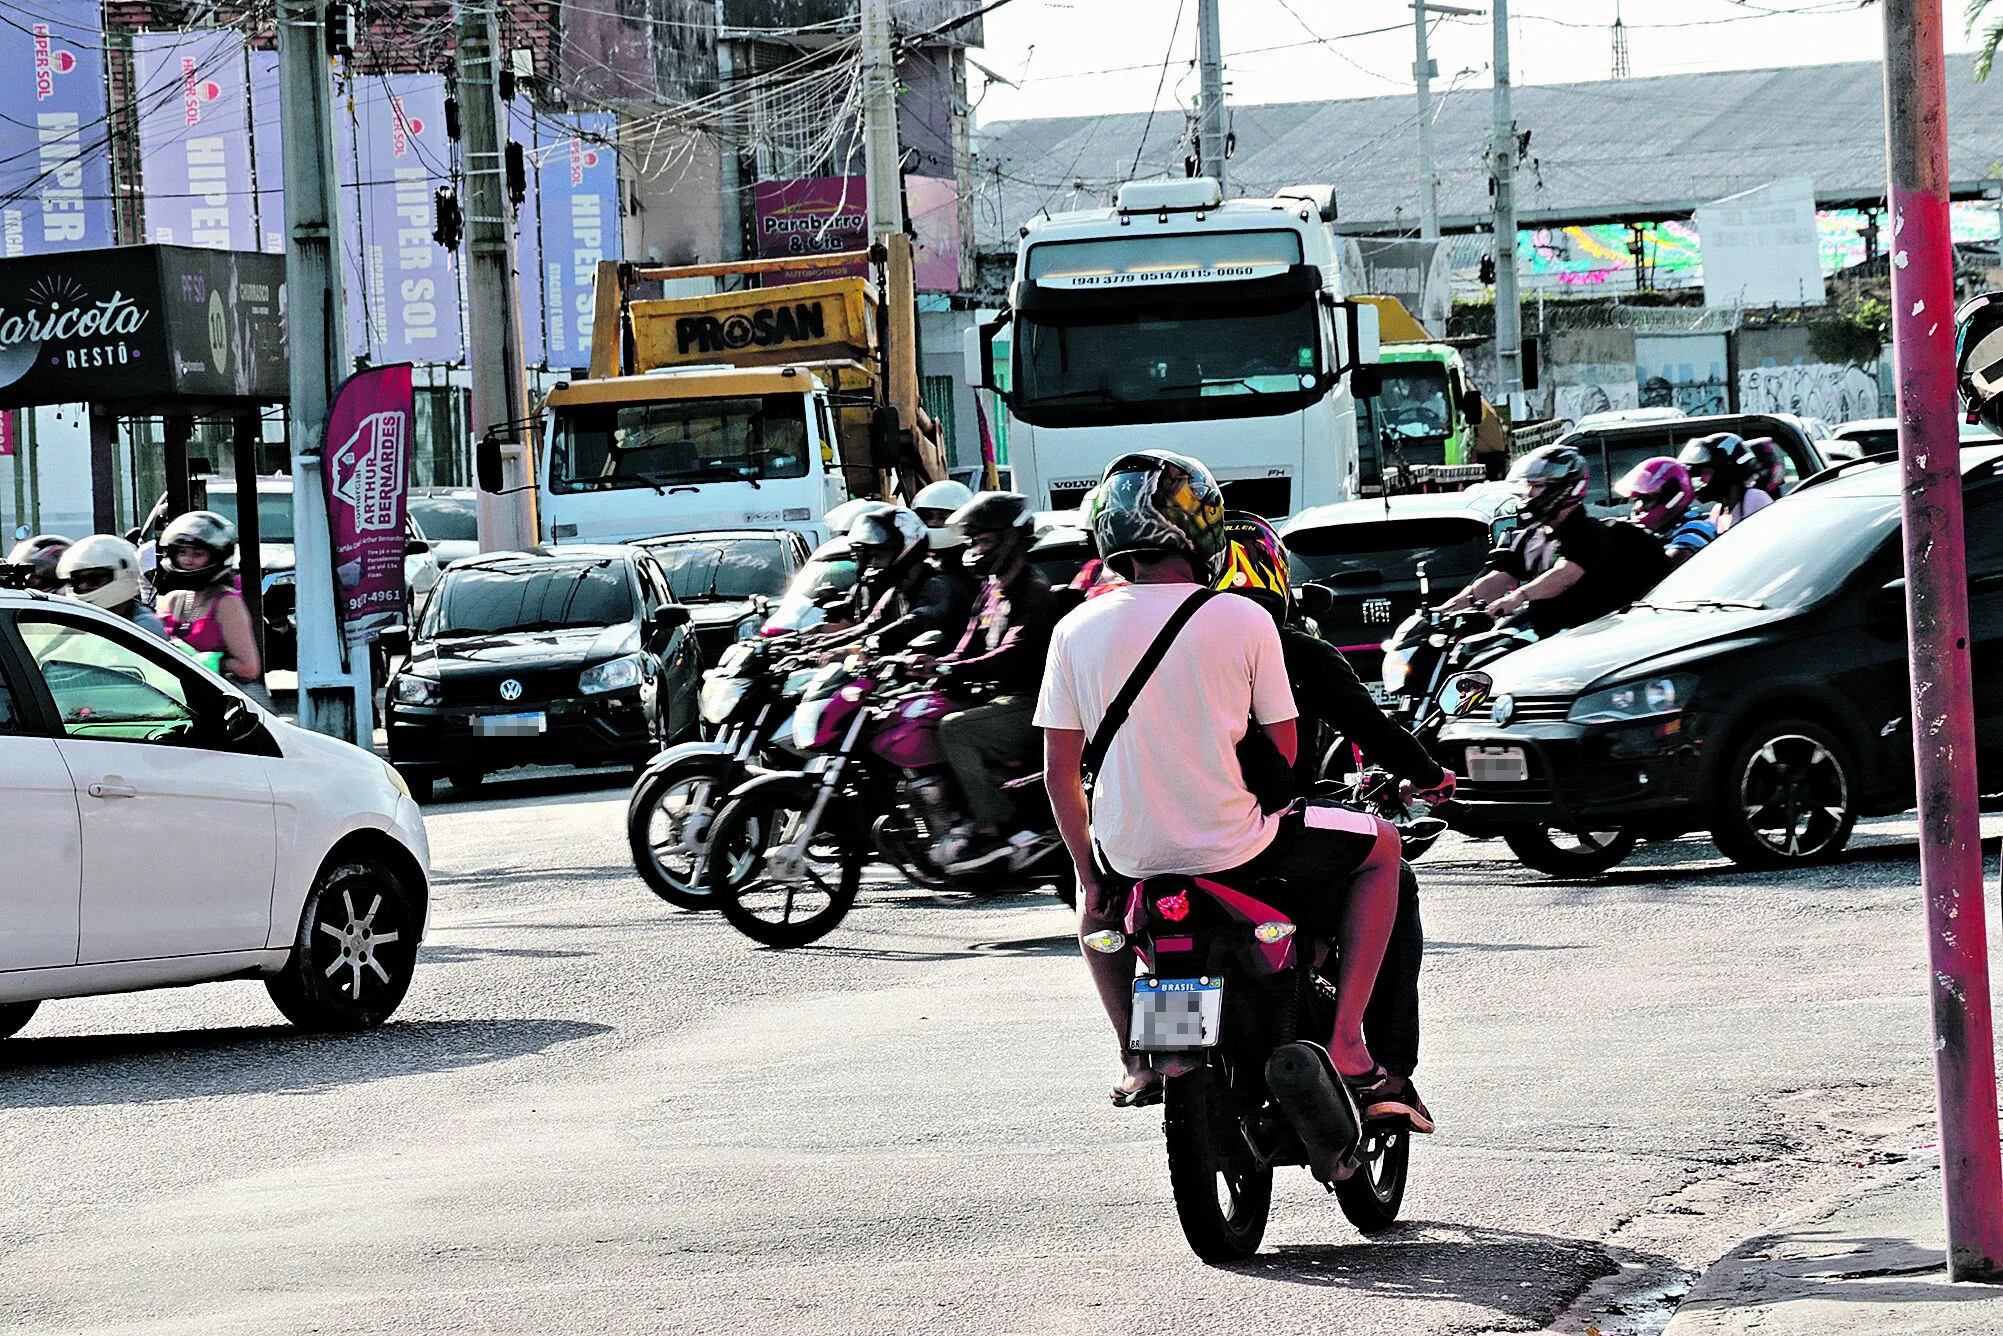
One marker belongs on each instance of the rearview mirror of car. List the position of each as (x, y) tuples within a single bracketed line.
[(671, 615), (415, 547), (1315, 600), (239, 721)]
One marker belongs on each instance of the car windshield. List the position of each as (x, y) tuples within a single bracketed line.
[(1794, 552), (274, 513), (448, 519), (1413, 401), (1388, 551), (679, 443), (492, 600), (736, 568)]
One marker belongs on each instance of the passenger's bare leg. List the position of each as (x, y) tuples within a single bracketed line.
[(1113, 975), (1366, 931)]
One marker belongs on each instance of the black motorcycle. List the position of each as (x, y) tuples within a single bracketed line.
[(1231, 983)]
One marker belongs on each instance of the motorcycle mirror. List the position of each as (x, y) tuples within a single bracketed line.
[(1471, 692), (1315, 600), (1978, 355)]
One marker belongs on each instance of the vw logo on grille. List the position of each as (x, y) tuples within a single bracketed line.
[(1377, 611), (511, 690)]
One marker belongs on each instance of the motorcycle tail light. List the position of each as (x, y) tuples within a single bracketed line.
[(1106, 941), (1277, 931), (1174, 908)]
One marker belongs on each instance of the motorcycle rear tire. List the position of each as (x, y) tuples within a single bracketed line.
[(684, 890), (1372, 1195), (1221, 1199), (1536, 850), (745, 826)]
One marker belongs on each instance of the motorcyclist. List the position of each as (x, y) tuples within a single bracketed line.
[(1170, 797), (1562, 565), (935, 505), (40, 555), (200, 601), (1664, 502), (998, 662), (1328, 691), (1724, 471), (902, 588), (103, 570)]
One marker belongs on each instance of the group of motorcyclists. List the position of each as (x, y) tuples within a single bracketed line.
[(187, 595)]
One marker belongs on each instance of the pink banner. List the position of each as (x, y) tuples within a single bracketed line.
[(7, 434), (366, 459), (815, 216)]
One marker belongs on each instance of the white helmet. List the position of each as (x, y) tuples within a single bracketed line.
[(102, 569), (935, 505)]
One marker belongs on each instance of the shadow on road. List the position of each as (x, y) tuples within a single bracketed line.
[(498, 791), (74, 1071), (1524, 1275)]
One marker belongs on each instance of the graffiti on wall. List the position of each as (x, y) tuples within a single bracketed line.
[(1592, 387), (1834, 393)]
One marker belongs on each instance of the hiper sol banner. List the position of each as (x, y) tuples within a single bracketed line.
[(366, 463)]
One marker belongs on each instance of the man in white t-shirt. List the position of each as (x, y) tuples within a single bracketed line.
[(1170, 797)]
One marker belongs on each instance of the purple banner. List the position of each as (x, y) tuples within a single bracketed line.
[(194, 138), (267, 151), (814, 216), (55, 175), (395, 155), (367, 454), (579, 200), (528, 238)]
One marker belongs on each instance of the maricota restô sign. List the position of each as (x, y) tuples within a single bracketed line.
[(135, 323)]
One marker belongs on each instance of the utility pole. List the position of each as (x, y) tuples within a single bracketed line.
[(507, 520), (882, 156), (335, 692), (1944, 745), (1508, 311), (1210, 128), (1422, 70)]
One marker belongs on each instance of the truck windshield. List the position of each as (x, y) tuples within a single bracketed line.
[(679, 442), (1413, 402)]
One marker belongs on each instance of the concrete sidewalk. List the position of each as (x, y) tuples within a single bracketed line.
[(1873, 1262)]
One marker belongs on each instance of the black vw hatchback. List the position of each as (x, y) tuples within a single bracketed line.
[(580, 656), (1760, 693)]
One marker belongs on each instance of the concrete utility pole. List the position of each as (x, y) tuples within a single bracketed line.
[(1944, 743), (1210, 59), (1508, 311), (1422, 70), (494, 352), (335, 693), (882, 156)]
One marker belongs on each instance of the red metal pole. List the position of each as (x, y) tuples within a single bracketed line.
[(1937, 614)]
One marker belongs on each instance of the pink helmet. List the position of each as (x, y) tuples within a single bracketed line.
[(1661, 492), (1770, 466)]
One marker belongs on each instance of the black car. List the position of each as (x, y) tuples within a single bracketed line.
[(578, 656), (1760, 693), (1366, 554), (1611, 451), (729, 578)]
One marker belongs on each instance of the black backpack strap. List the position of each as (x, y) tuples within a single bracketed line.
[(1116, 713)]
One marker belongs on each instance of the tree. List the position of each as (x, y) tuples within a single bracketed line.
[(1992, 35)]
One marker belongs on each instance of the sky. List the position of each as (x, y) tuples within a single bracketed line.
[(1087, 57)]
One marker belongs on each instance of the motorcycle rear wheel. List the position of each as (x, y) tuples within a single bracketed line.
[(1222, 1198), (774, 911), (662, 805), (1372, 1195)]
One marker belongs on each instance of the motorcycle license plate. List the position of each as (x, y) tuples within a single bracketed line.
[(1380, 695), (1172, 1014), (1497, 765)]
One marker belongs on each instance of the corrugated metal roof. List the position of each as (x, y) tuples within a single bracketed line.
[(1598, 151)]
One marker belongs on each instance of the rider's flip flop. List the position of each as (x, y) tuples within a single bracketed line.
[(1137, 1099)]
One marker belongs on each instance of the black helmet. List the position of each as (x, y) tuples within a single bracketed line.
[(41, 555), (1978, 359), (1553, 479), (204, 531), (1159, 501), (997, 513), (1718, 463)]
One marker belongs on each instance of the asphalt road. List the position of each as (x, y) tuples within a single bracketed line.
[(597, 1113)]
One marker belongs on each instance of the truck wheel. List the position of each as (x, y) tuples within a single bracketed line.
[(1562, 853), (1788, 796)]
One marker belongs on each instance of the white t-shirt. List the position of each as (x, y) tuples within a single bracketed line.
[(1170, 797)]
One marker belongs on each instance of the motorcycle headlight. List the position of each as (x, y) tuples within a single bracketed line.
[(612, 675), (719, 696), (1644, 699), (1397, 667), (410, 689)]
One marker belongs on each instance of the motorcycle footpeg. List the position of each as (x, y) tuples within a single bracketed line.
[(1305, 1085)]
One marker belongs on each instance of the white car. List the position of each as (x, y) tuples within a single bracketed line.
[(164, 831)]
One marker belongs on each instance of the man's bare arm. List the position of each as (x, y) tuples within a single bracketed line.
[(1064, 780)]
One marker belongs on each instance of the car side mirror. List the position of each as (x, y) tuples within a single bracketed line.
[(671, 616), (239, 722), (415, 547), (1315, 600), (1886, 608)]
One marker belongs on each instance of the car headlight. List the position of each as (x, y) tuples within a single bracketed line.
[(720, 695), (411, 689), (396, 778), (748, 627), (612, 675), (1643, 699), (1397, 667)]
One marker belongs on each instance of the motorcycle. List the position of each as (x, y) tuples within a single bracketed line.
[(745, 702), (875, 784), (1228, 987), (1374, 789)]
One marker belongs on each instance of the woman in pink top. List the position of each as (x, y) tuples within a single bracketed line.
[(199, 601)]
